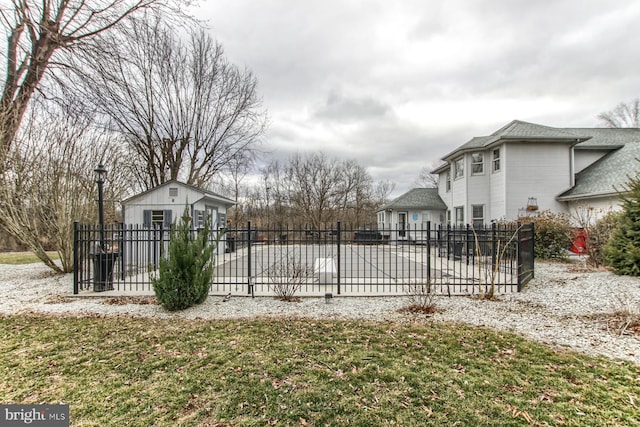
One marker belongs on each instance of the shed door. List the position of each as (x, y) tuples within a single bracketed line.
[(402, 224), (212, 214)]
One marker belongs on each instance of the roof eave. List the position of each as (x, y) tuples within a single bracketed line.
[(572, 198), (503, 139)]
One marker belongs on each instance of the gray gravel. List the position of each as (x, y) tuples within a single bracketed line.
[(565, 306)]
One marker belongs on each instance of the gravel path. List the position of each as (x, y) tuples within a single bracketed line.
[(563, 306)]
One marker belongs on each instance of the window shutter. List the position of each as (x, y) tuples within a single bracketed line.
[(146, 218), (167, 218)]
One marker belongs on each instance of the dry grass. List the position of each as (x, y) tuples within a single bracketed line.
[(141, 372)]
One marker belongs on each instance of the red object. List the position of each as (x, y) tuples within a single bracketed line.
[(579, 241)]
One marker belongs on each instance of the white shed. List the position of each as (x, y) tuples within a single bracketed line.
[(165, 204)]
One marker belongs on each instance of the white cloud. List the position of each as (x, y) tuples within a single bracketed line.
[(397, 85)]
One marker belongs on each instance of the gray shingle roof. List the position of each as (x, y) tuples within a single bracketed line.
[(518, 129), (417, 198), (606, 176), (607, 137), (204, 192)]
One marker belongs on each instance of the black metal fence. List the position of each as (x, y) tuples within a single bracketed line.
[(254, 261)]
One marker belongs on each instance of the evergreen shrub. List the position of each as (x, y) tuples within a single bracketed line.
[(185, 273), (622, 251)]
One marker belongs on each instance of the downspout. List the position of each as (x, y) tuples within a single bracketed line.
[(572, 167)]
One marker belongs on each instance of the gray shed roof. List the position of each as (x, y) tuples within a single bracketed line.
[(417, 198), (606, 176), (205, 193)]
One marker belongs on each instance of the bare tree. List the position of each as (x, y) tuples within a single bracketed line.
[(625, 115), (49, 184), (381, 192), (426, 179), (186, 112), (356, 191), (231, 182), (314, 181), (320, 190), (35, 32)]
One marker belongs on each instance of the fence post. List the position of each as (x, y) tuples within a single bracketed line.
[(519, 255), (449, 245), (493, 246), (75, 257), (429, 252), (249, 278), (338, 240)]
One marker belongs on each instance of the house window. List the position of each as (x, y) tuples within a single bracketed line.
[(173, 192), (458, 171), (157, 218), (478, 215), (496, 160), (459, 215), (449, 217), (448, 184), (477, 164)]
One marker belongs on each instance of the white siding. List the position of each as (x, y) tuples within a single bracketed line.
[(584, 158), (161, 199), (496, 208), (478, 189), (446, 196), (459, 192), (540, 170), (591, 210)]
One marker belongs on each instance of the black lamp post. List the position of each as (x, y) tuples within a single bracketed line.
[(100, 175)]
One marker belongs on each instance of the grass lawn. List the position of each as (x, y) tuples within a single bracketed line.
[(23, 257), (142, 372)]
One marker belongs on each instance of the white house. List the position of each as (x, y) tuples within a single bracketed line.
[(525, 167), (165, 204), (407, 215)]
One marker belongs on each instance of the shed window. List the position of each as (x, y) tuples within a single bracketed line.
[(157, 217), (199, 222)]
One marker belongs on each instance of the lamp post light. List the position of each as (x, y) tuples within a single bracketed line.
[(100, 175)]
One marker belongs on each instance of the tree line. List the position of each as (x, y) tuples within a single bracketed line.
[(311, 190)]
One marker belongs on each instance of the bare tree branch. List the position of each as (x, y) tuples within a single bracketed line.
[(47, 183), (185, 111), (625, 115), (35, 31)]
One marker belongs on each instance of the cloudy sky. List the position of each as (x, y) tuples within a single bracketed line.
[(398, 84)]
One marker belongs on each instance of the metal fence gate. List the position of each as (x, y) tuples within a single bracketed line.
[(124, 259)]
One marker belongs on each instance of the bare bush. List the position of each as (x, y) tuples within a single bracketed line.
[(598, 226), (626, 316), (288, 276), (48, 183), (422, 298), (489, 273)]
